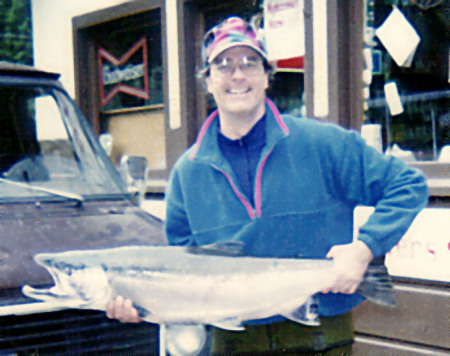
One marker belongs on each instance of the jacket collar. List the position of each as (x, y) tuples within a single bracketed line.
[(206, 147)]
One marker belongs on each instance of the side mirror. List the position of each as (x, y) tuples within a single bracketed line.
[(106, 141), (134, 170)]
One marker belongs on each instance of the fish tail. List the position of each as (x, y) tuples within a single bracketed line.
[(377, 285)]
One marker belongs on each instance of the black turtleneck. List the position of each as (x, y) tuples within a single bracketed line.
[(243, 155)]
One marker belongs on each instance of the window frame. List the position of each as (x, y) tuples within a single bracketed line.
[(345, 23)]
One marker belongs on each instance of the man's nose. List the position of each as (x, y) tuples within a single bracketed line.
[(237, 71)]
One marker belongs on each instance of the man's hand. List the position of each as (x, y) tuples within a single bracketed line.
[(351, 262), (123, 310)]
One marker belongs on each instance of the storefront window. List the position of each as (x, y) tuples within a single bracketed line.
[(129, 60), (407, 90), (286, 90)]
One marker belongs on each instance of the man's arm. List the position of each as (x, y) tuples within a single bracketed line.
[(359, 175), (176, 224), (362, 176)]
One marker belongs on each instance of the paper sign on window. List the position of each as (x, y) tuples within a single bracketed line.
[(424, 250), (399, 37), (284, 29)]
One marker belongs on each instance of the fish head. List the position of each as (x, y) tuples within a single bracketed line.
[(75, 283)]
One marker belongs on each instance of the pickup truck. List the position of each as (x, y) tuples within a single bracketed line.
[(59, 191)]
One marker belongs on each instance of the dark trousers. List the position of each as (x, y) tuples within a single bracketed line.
[(333, 337)]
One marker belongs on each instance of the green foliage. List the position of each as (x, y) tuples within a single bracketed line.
[(16, 41)]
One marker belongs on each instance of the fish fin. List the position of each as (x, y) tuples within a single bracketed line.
[(226, 248), (306, 314), (143, 313), (229, 324), (377, 285)]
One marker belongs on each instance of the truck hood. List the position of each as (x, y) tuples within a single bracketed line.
[(56, 227)]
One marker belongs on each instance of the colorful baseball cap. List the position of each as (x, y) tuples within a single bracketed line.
[(232, 32)]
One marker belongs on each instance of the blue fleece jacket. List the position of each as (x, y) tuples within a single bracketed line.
[(309, 179)]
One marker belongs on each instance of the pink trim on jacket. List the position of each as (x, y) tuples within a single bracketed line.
[(258, 184), (258, 179), (244, 201), (202, 133), (277, 115)]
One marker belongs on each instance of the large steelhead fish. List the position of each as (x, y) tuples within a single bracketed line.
[(182, 285)]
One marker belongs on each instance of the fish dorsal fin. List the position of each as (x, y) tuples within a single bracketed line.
[(306, 314), (226, 248), (233, 324)]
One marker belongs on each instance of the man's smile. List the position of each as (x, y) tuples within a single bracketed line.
[(238, 91)]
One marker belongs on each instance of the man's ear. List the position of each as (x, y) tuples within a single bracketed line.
[(267, 81)]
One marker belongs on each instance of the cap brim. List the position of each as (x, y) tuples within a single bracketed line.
[(221, 49)]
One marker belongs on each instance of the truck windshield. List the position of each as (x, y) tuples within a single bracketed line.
[(43, 143)]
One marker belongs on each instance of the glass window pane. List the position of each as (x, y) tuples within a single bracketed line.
[(421, 130), (286, 90), (44, 146), (129, 57)]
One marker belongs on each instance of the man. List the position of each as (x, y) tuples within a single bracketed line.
[(285, 187)]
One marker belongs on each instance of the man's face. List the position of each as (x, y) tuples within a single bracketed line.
[(238, 82)]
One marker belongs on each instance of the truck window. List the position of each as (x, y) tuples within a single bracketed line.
[(42, 143)]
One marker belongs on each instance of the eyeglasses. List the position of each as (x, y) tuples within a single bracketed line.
[(247, 65)]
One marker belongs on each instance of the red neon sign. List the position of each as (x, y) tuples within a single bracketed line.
[(118, 75)]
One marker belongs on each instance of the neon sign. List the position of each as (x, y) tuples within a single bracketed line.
[(117, 72)]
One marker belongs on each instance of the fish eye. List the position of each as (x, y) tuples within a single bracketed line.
[(64, 267)]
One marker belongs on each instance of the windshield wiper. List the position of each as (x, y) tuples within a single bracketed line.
[(59, 193)]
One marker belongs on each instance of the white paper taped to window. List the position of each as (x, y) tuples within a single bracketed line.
[(399, 37), (393, 98), (284, 29)]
